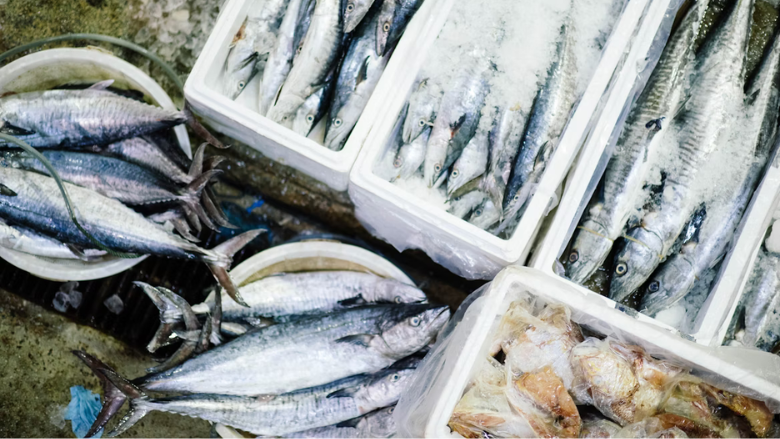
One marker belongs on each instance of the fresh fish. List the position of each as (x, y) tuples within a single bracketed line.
[(402, 14), (320, 51), (385, 167), (310, 112), (144, 153), (359, 73), (486, 215), (306, 352), (471, 163), (548, 116), (622, 182), (412, 155), (272, 415), (379, 423), (423, 104), (504, 146), (384, 24), (28, 241), (457, 119), (304, 20), (280, 60), (251, 46), (762, 309), (33, 200), (316, 292), (354, 11), (702, 118), (75, 118), (466, 203)]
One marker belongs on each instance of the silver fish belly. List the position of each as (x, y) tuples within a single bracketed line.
[(423, 104), (28, 241), (144, 153)]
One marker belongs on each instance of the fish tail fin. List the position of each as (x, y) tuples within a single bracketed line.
[(212, 208), (116, 390), (191, 198), (471, 185), (212, 162), (225, 252), (199, 129), (196, 167)]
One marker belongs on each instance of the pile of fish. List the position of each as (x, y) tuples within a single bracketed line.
[(543, 378), (315, 354), (695, 106), (487, 160), (315, 59), (128, 186)]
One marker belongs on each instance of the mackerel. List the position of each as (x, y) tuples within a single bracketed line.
[(423, 104), (280, 60), (354, 11), (28, 241), (463, 205), (486, 215), (144, 153), (411, 156), (627, 168), (304, 20), (504, 146), (471, 164), (718, 81), (762, 307), (402, 14), (383, 25), (380, 424)]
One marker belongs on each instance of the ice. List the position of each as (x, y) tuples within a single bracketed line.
[(672, 316), (114, 304), (61, 301), (67, 296)]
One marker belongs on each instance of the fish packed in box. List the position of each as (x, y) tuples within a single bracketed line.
[(490, 104), (315, 60), (312, 354), (687, 161), (545, 376)]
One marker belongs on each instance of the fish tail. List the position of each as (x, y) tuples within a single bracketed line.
[(224, 253), (208, 199), (199, 129), (191, 198), (116, 390)]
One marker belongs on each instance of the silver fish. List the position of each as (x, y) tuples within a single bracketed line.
[(314, 292), (412, 155), (549, 115), (379, 423), (463, 205), (306, 116), (28, 241), (457, 119), (306, 352), (67, 118), (703, 118), (358, 76), (304, 20), (504, 146), (319, 52), (403, 11), (486, 215), (354, 11), (762, 307), (471, 163), (626, 170), (144, 153), (33, 200), (423, 104), (384, 24), (280, 60)]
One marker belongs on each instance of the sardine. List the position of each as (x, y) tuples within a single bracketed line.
[(702, 118), (457, 119), (280, 60), (471, 164), (485, 215), (423, 104), (28, 241), (358, 76), (622, 182), (319, 53), (75, 118), (548, 116), (354, 11), (402, 14), (463, 205), (316, 292), (762, 309), (411, 156), (33, 200), (379, 424)]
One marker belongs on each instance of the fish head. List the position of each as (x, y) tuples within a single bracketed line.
[(339, 127), (386, 387), (414, 124), (380, 423), (240, 67), (384, 23), (634, 262), (485, 215), (588, 251), (435, 155), (304, 121), (285, 109), (418, 325), (354, 11), (388, 291), (668, 284)]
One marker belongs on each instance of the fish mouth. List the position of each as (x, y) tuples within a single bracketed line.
[(636, 261)]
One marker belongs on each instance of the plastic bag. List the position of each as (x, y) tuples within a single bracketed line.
[(82, 410)]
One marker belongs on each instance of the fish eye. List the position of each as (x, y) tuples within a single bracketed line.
[(574, 256), (398, 162), (422, 122), (478, 212), (397, 299), (455, 173), (390, 410), (437, 167), (310, 118), (621, 269), (350, 7), (337, 122), (654, 286), (241, 85), (395, 377), (386, 27), (415, 321), (516, 198)]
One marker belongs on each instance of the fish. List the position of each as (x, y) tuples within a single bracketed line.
[(471, 164), (548, 116), (312, 110), (702, 118), (463, 205), (423, 103), (28, 241), (379, 423), (626, 170), (411, 156), (320, 50), (144, 153), (34, 200), (504, 145), (598, 427), (251, 46), (306, 352), (316, 292), (485, 215), (78, 118), (304, 20), (354, 11), (281, 57), (402, 13), (457, 118), (272, 415), (384, 24), (762, 304), (358, 76)]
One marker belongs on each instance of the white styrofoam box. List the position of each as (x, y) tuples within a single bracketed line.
[(50, 68), (406, 221), (240, 120), (427, 408)]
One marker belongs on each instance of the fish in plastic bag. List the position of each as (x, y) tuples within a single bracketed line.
[(545, 403), (82, 410), (596, 426)]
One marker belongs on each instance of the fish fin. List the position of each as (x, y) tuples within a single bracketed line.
[(191, 196), (349, 423), (102, 85), (80, 254), (259, 322), (196, 167), (181, 226), (190, 319), (225, 252), (113, 397), (188, 335), (199, 129), (212, 162), (131, 418), (161, 338), (208, 199), (192, 219), (183, 353), (466, 188), (456, 126), (363, 72), (353, 301), (357, 339), (170, 310), (216, 317), (14, 130), (6, 191), (343, 393)]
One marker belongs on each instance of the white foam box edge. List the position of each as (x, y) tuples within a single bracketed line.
[(468, 251)]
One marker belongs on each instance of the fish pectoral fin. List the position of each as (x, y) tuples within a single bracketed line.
[(6, 191), (13, 130), (78, 252), (102, 85), (357, 339), (456, 126), (187, 335), (353, 301), (343, 393), (349, 423), (363, 72)]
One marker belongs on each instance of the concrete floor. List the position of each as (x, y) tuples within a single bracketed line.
[(37, 370)]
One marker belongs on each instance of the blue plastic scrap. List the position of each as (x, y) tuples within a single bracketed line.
[(83, 410)]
